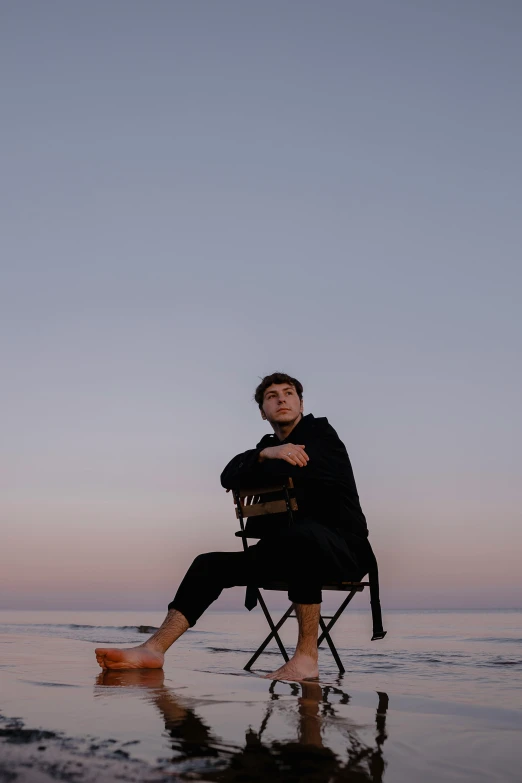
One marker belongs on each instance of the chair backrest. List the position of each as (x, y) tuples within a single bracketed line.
[(275, 498), (271, 506)]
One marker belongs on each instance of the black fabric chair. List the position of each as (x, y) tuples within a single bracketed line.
[(256, 505)]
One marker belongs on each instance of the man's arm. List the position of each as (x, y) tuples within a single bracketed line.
[(325, 459), (241, 470)]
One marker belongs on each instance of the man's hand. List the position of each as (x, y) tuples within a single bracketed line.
[(290, 452)]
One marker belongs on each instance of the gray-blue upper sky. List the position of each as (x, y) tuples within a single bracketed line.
[(194, 194)]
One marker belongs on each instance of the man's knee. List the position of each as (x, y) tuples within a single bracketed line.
[(299, 593), (206, 562), (223, 568)]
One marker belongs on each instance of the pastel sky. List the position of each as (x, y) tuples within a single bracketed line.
[(195, 194)]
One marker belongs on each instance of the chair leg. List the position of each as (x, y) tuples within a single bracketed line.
[(325, 631), (331, 645), (273, 632), (336, 616)]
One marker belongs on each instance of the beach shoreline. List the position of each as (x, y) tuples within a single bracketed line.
[(437, 704)]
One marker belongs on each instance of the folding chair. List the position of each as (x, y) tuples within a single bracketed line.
[(279, 499)]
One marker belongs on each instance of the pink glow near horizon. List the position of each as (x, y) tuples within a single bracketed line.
[(111, 555)]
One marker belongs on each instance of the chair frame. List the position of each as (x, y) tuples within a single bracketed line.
[(248, 502)]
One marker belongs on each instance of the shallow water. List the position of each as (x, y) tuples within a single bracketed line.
[(439, 699)]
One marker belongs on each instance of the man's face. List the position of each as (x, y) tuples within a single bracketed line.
[(281, 404)]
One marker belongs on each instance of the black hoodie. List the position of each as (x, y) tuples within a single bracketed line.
[(325, 488)]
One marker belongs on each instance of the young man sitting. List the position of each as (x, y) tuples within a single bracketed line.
[(328, 541)]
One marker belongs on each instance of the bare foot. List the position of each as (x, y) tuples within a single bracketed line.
[(299, 667), (141, 657)]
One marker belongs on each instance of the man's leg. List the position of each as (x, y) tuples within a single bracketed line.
[(202, 584), (150, 654), (310, 554), (303, 664), (295, 558)]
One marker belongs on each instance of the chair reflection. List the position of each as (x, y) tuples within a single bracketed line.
[(307, 758)]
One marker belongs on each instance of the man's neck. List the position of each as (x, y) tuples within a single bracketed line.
[(282, 431)]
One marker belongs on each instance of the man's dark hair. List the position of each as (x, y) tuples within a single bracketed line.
[(277, 377)]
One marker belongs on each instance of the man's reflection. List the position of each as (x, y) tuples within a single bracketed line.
[(305, 759)]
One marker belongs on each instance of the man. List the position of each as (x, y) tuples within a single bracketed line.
[(327, 542)]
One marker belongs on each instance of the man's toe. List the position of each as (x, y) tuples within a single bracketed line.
[(101, 660)]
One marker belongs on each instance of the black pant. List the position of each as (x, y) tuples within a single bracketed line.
[(305, 556)]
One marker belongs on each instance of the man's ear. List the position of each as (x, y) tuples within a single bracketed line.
[(301, 407), (262, 414)]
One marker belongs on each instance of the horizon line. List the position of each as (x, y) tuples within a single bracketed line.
[(241, 611)]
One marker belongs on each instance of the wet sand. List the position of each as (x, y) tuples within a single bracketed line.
[(39, 756), (64, 720)]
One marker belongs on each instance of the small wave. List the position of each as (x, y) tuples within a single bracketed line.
[(138, 628), (498, 640), (51, 684), (76, 625), (79, 627), (501, 663)]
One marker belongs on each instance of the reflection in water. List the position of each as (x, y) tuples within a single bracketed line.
[(306, 758)]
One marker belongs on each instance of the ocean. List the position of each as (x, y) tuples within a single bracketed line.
[(439, 699)]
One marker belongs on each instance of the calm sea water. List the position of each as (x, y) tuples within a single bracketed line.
[(439, 699)]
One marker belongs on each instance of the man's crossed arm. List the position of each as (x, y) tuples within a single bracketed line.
[(323, 459)]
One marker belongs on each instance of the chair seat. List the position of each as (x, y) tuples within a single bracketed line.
[(346, 586)]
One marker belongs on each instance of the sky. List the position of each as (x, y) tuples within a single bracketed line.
[(196, 194)]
